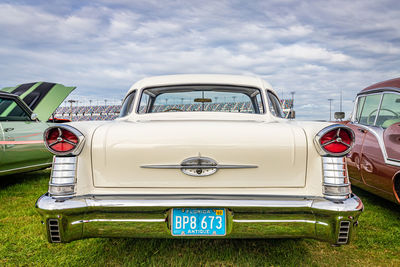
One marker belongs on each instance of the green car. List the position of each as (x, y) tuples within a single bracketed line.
[(24, 115)]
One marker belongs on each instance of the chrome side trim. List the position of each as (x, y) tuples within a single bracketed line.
[(28, 167), (378, 133)]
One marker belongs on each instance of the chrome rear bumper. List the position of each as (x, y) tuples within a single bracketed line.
[(146, 216)]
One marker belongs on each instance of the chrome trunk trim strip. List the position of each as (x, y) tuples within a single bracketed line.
[(198, 166), (219, 166)]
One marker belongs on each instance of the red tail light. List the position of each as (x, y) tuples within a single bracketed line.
[(335, 140), (63, 140)]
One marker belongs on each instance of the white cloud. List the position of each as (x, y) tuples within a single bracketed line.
[(314, 48), (311, 53)]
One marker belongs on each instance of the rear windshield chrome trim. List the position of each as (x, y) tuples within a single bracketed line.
[(139, 98)]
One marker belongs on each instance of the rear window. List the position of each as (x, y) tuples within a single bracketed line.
[(207, 98)]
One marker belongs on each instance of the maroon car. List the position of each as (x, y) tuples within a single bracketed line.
[(374, 162)]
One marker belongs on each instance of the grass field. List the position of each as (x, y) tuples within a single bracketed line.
[(22, 243)]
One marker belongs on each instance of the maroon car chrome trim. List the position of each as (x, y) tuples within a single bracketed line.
[(378, 133)]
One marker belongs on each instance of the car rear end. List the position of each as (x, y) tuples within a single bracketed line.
[(199, 178)]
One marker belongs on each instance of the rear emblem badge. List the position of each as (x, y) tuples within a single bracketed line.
[(199, 166)]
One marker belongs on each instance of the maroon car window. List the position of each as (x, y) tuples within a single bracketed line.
[(360, 104), (389, 113), (370, 109)]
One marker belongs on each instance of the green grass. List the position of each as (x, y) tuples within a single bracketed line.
[(377, 241)]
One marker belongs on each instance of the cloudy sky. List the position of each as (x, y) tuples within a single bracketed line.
[(315, 48)]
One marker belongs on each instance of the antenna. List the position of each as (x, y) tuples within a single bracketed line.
[(292, 93), (330, 108)]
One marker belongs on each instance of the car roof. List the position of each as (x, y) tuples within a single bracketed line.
[(199, 79), (392, 84), (17, 99), (7, 94)]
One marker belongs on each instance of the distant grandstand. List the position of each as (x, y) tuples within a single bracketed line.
[(286, 105), (88, 113), (110, 112)]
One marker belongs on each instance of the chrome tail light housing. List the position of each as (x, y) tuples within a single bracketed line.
[(66, 143), (63, 140), (335, 141)]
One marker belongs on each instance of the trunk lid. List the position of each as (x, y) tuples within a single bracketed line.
[(121, 149), (41, 97)]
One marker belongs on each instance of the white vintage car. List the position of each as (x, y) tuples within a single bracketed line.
[(200, 156)]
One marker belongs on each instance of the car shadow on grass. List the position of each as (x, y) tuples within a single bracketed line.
[(10, 180), (370, 199), (232, 252)]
